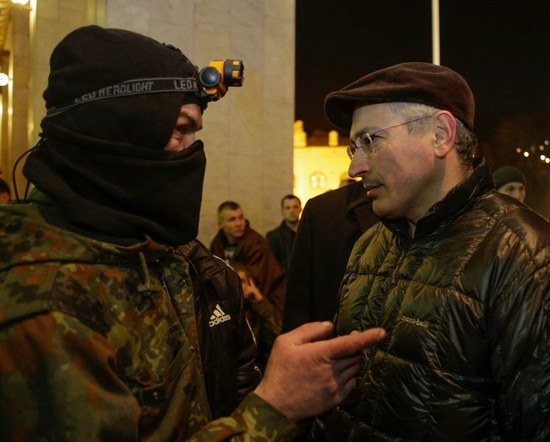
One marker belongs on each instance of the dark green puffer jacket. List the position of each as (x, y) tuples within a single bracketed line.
[(466, 304)]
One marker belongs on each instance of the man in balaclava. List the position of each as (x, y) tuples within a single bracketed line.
[(115, 323)]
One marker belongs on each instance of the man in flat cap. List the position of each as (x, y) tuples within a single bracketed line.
[(457, 274), (115, 323)]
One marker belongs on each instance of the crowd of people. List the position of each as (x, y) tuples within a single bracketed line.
[(412, 304)]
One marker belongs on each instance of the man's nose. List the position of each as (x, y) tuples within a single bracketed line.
[(358, 165)]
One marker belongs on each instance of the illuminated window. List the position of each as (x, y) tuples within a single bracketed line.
[(318, 180)]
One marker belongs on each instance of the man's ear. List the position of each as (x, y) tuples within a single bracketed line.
[(445, 133)]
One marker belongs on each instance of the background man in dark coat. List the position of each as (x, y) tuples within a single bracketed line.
[(329, 227), (281, 240), (511, 181)]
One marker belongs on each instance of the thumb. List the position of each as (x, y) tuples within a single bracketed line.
[(310, 332)]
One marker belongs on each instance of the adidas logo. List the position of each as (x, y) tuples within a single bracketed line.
[(218, 316)]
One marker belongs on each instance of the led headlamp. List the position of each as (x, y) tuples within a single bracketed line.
[(210, 85), (218, 76)]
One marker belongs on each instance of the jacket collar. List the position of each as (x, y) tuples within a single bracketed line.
[(204, 263), (284, 226), (457, 201)]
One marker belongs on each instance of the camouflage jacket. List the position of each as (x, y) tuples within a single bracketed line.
[(99, 342)]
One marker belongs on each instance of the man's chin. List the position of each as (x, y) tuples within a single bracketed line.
[(382, 211)]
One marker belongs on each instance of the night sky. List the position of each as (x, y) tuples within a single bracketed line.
[(501, 47)]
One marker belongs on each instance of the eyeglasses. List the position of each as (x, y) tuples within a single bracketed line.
[(364, 142)]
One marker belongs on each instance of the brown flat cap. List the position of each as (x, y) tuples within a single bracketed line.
[(415, 82)]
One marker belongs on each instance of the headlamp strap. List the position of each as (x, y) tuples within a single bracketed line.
[(131, 87)]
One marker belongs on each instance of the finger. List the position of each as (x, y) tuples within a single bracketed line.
[(310, 332), (346, 383), (344, 376), (348, 371), (348, 345), (347, 387), (341, 365)]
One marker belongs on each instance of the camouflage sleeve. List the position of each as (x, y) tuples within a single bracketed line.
[(254, 419), (57, 383)]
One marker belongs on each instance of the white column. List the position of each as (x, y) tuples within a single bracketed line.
[(436, 56)]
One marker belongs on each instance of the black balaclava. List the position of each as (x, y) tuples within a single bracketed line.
[(113, 98)]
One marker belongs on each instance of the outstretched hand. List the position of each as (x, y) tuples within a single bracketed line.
[(308, 374)]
